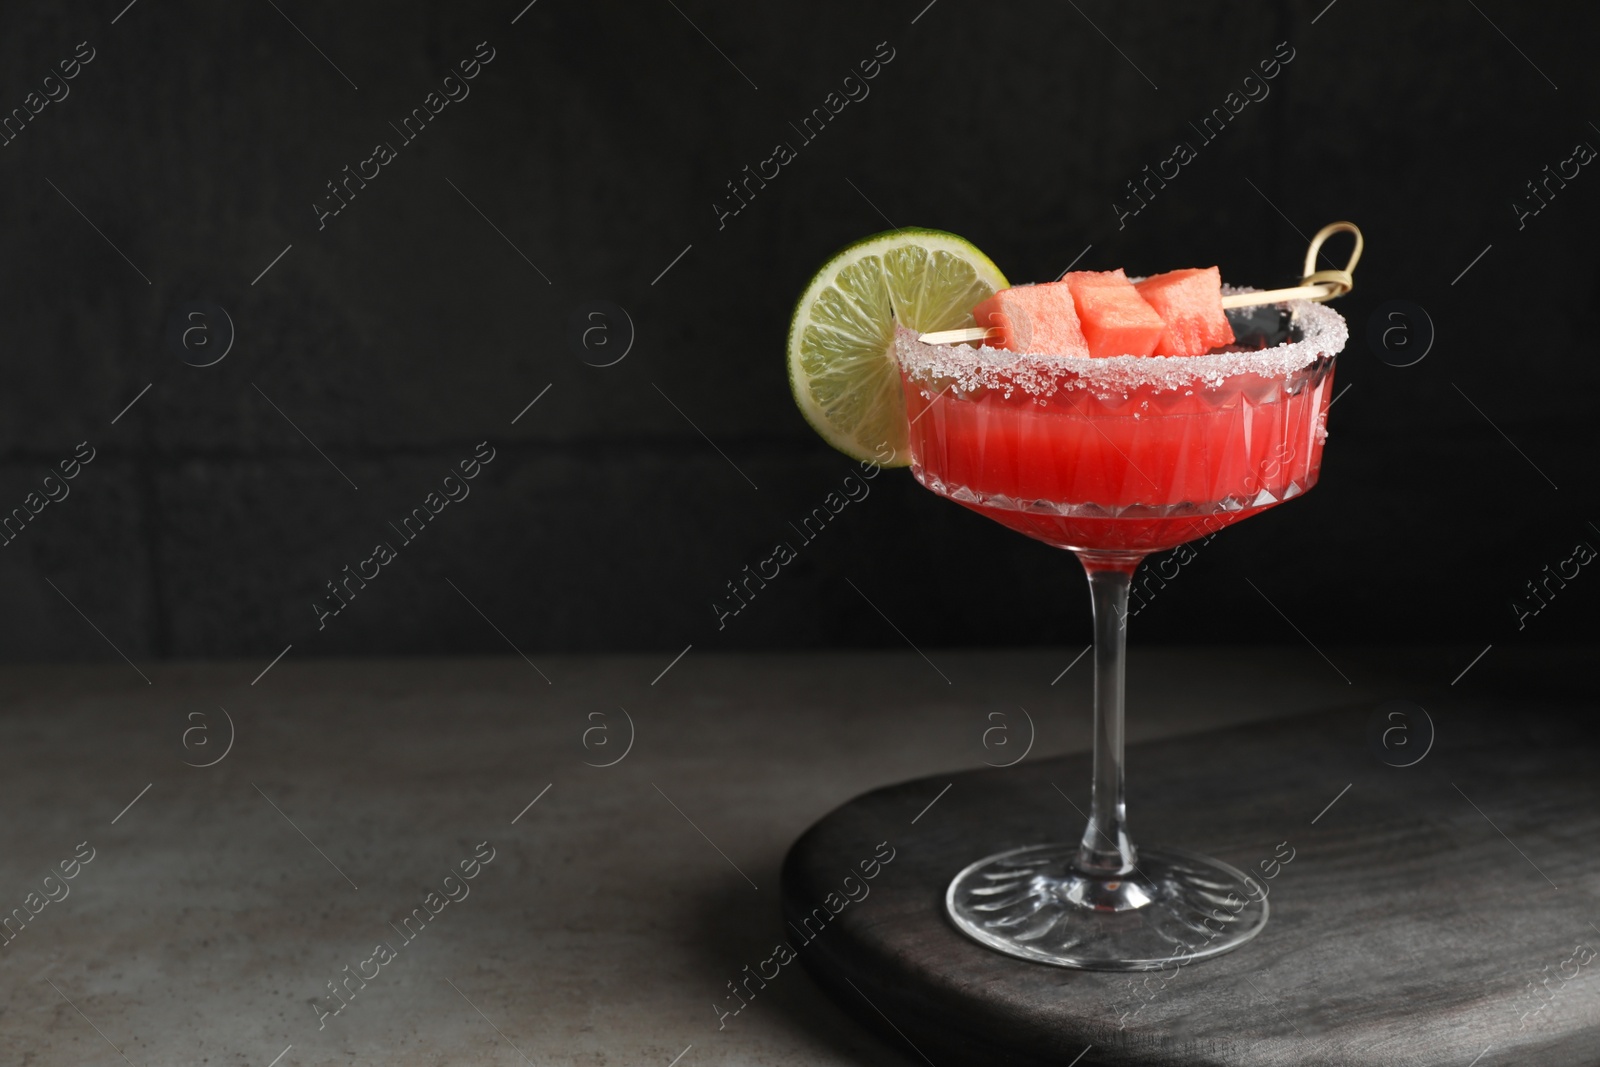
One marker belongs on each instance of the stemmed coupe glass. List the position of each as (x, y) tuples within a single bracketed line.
[(1114, 459)]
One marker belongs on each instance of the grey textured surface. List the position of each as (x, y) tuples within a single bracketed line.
[(606, 927), (596, 142)]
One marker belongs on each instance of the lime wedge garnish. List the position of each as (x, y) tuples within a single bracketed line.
[(841, 364)]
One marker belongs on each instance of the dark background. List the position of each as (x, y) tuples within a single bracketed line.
[(596, 141)]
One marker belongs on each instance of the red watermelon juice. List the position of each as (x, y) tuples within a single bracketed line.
[(1127, 453)]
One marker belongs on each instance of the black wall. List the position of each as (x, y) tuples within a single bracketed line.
[(589, 155)]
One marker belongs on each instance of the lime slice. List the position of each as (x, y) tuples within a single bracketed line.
[(841, 364)]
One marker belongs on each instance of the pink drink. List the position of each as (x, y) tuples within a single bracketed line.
[(1115, 458), (1130, 454)]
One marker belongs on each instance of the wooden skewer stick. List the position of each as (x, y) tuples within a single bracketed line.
[(1319, 291), (952, 337), (1316, 285)]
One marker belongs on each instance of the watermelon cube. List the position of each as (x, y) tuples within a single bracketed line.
[(1190, 304), (1033, 318), (1116, 320)]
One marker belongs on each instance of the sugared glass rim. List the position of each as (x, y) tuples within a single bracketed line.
[(1323, 330)]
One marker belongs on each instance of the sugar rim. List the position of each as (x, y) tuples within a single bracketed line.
[(1041, 373)]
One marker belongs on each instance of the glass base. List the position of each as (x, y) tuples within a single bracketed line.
[(1174, 907)]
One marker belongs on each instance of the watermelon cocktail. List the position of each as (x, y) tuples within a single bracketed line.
[(1109, 416), (1114, 458), (1129, 454)]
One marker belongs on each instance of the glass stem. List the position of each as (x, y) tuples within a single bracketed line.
[(1106, 848)]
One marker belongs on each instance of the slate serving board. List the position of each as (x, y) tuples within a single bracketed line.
[(1446, 912)]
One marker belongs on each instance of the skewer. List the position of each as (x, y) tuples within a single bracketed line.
[(1318, 291), (1314, 285)]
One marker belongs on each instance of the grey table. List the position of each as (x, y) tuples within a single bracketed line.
[(221, 904)]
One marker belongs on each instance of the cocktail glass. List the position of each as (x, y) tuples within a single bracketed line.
[(1114, 459)]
